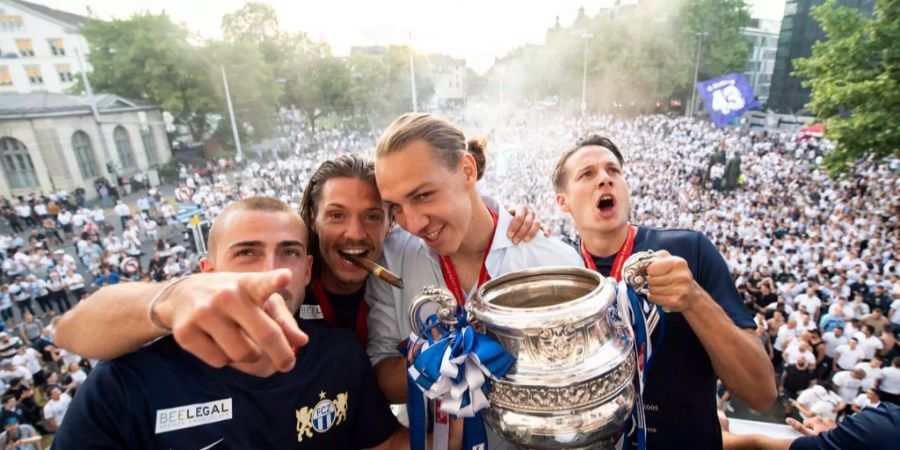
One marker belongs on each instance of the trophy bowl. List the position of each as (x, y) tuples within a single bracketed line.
[(571, 385)]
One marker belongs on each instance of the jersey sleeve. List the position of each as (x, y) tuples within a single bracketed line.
[(715, 279), (97, 416), (373, 421), (871, 428)]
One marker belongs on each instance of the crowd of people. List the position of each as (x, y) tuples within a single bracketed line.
[(815, 258)]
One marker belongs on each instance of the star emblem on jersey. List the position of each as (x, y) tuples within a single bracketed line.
[(322, 417)]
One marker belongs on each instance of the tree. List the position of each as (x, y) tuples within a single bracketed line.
[(318, 84), (854, 76), (149, 57), (725, 48), (254, 91), (634, 56), (255, 22)]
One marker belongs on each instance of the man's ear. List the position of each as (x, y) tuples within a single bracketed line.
[(469, 168), (206, 265), (563, 201)]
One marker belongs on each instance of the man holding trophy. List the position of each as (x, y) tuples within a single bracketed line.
[(708, 333)]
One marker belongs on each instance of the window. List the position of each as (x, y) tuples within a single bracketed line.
[(149, 146), (25, 47), (11, 23), (17, 164), (65, 72), (5, 78), (123, 147), (84, 154), (56, 47), (34, 74)]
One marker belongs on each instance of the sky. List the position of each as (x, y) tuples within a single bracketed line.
[(477, 30)]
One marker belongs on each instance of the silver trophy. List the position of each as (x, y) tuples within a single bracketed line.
[(572, 383)]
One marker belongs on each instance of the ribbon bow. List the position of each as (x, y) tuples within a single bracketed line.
[(452, 369)]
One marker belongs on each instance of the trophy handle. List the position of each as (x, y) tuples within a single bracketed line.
[(635, 267), (446, 311), (634, 272)]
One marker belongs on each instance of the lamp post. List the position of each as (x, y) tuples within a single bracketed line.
[(584, 37), (412, 76), (237, 140), (700, 36)]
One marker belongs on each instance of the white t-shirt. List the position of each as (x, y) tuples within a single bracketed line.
[(848, 358), (832, 342), (872, 375), (29, 360), (56, 409), (869, 345), (895, 317), (847, 386), (79, 377), (812, 303), (820, 401), (792, 354), (890, 380), (862, 400)]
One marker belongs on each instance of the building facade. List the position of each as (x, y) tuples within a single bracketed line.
[(799, 31), (51, 142), (38, 48), (763, 37), (449, 79)]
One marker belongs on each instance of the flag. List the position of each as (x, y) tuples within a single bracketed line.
[(727, 97)]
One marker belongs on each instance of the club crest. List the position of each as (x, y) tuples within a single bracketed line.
[(322, 417)]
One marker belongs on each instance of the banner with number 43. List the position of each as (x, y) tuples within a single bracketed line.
[(727, 97)]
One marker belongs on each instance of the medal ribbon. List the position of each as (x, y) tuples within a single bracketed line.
[(451, 279), (623, 254), (360, 329)]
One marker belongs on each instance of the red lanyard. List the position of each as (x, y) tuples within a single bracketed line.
[(621, 256), (330, 317), (451, 279)]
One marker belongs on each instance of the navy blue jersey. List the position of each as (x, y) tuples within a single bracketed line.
[(680, 393), (872, 429), (346, 307), (162, 397)]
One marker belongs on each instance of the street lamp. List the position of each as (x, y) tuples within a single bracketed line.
[(700, 36), (584, 37)]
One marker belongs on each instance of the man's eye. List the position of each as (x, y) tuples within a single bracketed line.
[(244, 253)]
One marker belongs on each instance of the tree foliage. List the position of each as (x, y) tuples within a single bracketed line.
[(854, 76), (149, 57), (634, 56)]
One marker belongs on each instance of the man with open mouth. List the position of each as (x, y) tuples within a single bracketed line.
[(705, 331)]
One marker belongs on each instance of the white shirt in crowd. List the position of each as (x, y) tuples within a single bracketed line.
[(847, 386), (56, 409), (890, 380), (862, 400), (869, 345), (820, 401), (832, 342), (848, 358), (872, 375), (895, 312), (792, 354)]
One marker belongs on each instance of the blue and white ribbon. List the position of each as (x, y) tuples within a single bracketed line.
[(453, 368), (631, 310)]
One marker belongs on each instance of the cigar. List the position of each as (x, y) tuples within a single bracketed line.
[(377, 270)]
